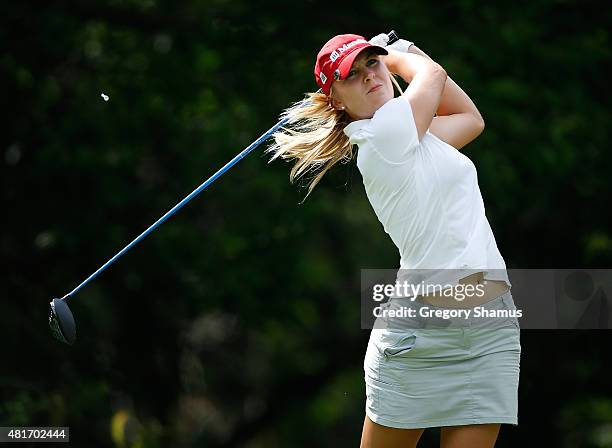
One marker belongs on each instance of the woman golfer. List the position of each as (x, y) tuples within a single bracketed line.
[(460, 374)]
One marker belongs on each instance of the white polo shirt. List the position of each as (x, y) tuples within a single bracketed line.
[(426, 196)]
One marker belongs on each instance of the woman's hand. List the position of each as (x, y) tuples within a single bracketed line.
[(401, 45)]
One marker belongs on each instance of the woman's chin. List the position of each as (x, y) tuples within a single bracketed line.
[(380, 101)]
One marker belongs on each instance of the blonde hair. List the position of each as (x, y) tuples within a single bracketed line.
[(314, 136)]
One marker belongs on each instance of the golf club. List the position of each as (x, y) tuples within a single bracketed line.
[(61, 320)]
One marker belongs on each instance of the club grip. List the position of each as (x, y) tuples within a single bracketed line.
[(393, 37)]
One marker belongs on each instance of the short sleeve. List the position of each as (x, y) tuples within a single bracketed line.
[(393, 130)]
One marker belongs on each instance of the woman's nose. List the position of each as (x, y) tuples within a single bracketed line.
[(369, 74)]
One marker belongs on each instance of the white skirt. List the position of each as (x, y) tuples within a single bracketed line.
[(421, 376)]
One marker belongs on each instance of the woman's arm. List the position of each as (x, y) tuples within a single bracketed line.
[(427, 80), (454, 100), (458, 121)]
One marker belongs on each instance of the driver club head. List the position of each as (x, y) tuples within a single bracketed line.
[(61, 321)]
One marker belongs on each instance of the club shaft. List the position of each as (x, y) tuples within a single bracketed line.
[(178, 206)]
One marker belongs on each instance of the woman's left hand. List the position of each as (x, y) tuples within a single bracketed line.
[(401, 45)]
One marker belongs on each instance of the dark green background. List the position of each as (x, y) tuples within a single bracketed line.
[(237, 322)]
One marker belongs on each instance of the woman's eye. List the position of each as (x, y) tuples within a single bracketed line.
[(370, 63)]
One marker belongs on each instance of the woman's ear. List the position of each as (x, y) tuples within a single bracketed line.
[(336, 103)]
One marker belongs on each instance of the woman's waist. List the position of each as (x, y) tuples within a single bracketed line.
[(470, 291)]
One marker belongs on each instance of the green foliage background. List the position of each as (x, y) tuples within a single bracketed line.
[(237, 322)]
